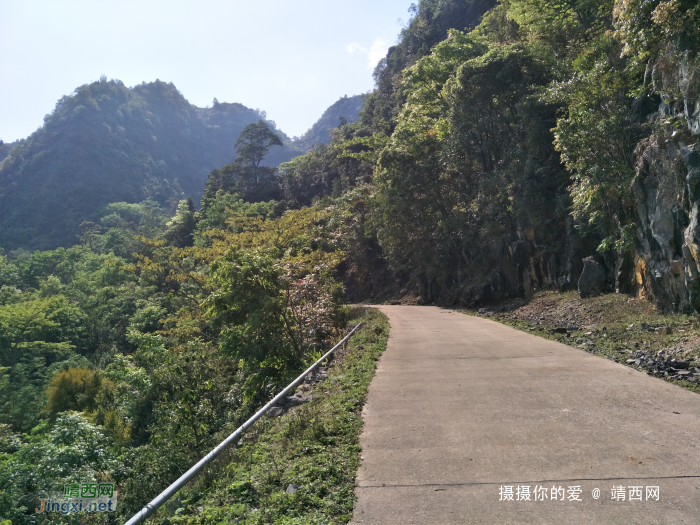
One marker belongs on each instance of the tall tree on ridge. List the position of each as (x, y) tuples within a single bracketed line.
[(245, 175)]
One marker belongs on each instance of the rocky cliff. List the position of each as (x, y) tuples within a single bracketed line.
[(666, 260)]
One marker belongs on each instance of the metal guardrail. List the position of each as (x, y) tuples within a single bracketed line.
[(182, 480)]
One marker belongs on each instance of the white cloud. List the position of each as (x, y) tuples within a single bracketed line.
[(355, 47), (376, 52)]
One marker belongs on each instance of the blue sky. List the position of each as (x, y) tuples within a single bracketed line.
[(291, 58)]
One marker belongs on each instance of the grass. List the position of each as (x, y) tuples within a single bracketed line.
[(613, 326), (314, 446)]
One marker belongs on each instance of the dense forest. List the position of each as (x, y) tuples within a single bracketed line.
[(109, 143), (505, 143)]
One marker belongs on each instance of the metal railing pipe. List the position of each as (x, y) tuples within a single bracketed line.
[(182, 480)]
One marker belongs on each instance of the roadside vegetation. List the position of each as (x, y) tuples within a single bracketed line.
[(123, 358), (298, 467)]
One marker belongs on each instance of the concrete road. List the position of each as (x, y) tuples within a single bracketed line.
[(462, 408)]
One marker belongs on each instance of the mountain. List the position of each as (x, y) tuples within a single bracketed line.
[(109, 143), (347, 108)]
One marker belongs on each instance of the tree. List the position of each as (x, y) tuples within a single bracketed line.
[(255, 182), (271, 315), (254, 142), (245, 175), (72, 451), (181, 228)]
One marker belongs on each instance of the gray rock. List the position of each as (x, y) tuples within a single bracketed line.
[(292, 488), (275, 412), (592, 281), (678, 364), (296, 399)]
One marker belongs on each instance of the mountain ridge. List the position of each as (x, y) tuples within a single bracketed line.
[(347, 108), (108, 143)]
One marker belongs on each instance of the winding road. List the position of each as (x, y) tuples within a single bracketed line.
[(465, 413)]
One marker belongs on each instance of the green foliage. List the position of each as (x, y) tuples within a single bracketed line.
[(223, 205), (314, 446), (254, 142), (330, 170), (61, 306), (564, 25), (5, 149), (598, 136), (129, 345), (119, 227), (271, 315), (430, 23), (648, 26), (470, 159), (73, 389), (191, 394), (246, 176), (106, 143), (74, 450), (180, 229)]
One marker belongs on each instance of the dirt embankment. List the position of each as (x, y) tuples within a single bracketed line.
[(627, 330)]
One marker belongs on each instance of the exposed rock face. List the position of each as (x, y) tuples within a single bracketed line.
[(660, 262), (518, 266), (691, 249), (667, 195), (593, 279)]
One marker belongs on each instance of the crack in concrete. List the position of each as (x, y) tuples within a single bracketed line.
[(476, 483)]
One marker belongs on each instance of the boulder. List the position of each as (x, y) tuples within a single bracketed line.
[(294, 400), (592, 281)]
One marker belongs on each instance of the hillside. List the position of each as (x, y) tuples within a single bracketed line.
[(108, 143), (537, 161), (5, 149), (543, 146), (347, 108)]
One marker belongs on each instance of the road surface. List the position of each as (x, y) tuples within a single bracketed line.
[(464, 410)]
